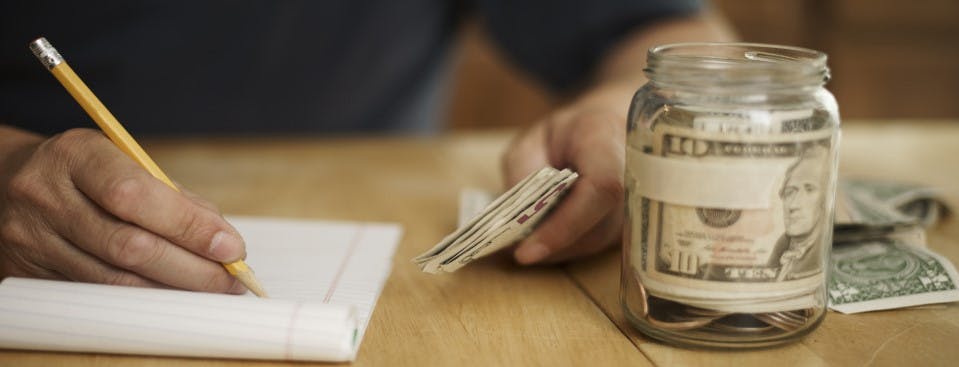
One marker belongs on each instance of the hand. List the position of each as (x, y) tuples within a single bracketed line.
[(75, 207), (588, 137)]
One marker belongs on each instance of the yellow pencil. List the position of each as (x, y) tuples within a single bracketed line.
[(50, 58)]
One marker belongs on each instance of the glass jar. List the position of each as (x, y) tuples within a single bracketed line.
[(731, 160)]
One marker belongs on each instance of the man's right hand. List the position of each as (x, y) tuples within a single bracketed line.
[(75, 207)]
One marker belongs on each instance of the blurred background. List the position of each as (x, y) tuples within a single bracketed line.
[(889, 59)]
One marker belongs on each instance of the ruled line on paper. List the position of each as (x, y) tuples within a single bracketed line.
[(184, 301), (219, 336), (88, 335), (109, 307)]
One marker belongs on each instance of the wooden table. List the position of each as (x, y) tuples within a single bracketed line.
[(494, 313)]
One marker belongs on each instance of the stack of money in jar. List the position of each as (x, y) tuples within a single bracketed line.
[(727, 224)]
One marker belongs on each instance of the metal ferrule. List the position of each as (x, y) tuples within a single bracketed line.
[(44, 51)]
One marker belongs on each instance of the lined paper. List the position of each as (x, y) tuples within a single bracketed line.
[(323, 278)]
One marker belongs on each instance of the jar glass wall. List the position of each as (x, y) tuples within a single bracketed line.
[(731, 160)]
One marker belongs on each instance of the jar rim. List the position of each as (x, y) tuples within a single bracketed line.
[(761, 52), (749, 62)]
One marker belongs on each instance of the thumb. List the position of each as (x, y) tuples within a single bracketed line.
[(525, 154)]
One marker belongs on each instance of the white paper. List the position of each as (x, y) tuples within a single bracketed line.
[(323, 279)]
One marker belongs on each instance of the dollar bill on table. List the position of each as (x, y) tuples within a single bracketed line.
[(506, 220), (882, 274), (868, 209), (916, 204), (879, 259)]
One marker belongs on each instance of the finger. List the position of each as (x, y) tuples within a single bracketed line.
[(31, 249), (526, 154), (199, 200), (578, 213), (128, 192), (13, 268), (133, 249), (77, 265), (593, 146), (13, 263), (605, 234)]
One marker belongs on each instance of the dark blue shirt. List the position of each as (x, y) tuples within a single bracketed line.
[(240, 67)]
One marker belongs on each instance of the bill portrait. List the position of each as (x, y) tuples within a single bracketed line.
[(798, 252)]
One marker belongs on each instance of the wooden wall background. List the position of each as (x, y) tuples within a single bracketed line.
[(889, 59)]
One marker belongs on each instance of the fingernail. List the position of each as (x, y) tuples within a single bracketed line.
[(226, 247), (531, 252)]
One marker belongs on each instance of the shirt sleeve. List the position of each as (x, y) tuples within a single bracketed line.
[(560, 41)]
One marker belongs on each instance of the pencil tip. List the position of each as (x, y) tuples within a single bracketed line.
[(241, 271), (252, 284)]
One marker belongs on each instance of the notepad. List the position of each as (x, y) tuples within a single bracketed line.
[(323, 278)]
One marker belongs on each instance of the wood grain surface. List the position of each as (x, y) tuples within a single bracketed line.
[(494, 313)]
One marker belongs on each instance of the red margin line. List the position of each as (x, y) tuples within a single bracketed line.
[(349, 253), (289, 330)]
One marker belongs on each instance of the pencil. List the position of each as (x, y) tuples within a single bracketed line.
[(50, 58)]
